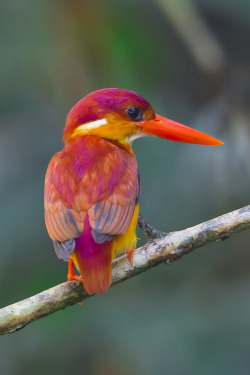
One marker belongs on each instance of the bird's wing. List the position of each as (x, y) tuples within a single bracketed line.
[(63, 222), (112, 216), (105, 185)]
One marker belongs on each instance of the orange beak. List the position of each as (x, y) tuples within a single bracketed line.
[(168, 129)]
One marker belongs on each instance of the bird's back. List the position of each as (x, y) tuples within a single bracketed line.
[(91, 198)]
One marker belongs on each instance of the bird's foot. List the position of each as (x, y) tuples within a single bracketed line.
[(130, 254), (71, 273)]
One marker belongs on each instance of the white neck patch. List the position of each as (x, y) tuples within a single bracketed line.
[(92, 125), (133, 137)]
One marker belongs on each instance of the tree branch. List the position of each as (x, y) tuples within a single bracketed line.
[(162, 247)]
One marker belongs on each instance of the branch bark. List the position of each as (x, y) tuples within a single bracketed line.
[(162, 247)]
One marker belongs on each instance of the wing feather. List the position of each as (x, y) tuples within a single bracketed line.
[(64, 249), (100, 223), (48, 224), (62, 224), (53, 229), (111, 228), (121, 228), (95, 211)]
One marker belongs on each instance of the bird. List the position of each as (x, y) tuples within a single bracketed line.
[(92, 186)]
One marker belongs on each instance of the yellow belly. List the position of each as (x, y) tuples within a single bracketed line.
[(126, 241)]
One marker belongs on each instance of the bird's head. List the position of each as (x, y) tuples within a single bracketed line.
[(123, 116)]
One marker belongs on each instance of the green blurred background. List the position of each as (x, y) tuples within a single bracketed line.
[(191, 60)]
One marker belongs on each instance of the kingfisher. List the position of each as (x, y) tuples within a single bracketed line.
[(92, 187)]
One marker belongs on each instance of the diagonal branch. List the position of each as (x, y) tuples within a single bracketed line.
[(163, 247)]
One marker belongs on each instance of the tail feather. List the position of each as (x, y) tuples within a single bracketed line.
[(94, 261), (95, 271)]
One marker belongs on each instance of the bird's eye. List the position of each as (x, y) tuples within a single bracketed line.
[(135, 113)]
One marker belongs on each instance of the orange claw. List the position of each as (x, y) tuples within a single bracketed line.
[(130, 254), (71, 273)]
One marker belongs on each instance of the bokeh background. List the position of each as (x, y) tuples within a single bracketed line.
[(191, 60)]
